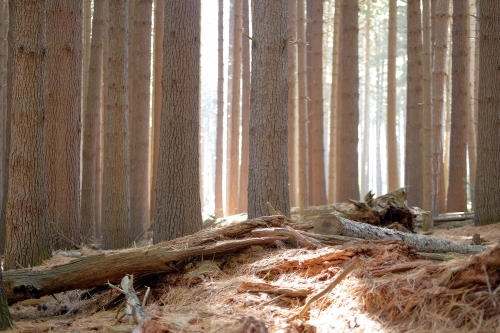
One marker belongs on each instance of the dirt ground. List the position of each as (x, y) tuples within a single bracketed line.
[(215, 299)]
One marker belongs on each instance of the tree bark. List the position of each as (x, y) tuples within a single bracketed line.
[(26, 211), (336, 225), (413, 151), (219, 144), (392, 143), (245, 111), (63, 128), (440, 48), (139, 118), (457, 196), (487, 208), (303, 146), (157, 98), (314, 37), (335, 98), (178, 206), (268, 176), (116, 172), (348, 186), (234, 143)]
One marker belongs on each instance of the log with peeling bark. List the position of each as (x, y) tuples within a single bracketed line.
[(337, 225), (96, 270)]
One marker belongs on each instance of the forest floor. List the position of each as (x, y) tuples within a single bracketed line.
[(210, 296)]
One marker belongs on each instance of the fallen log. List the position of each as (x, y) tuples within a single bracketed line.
[(336, 225), (96, 270)]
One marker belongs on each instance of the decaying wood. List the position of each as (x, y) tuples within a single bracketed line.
[(260, 287), (133, 307), (96, 270), (348, 269), (332, 224)]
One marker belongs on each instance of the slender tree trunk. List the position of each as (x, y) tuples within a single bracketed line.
[(314, 37), (116, 200), (139, 116), (86, 42), (292, 104), (472, 115), (440, 29), (457, 196), (365, 137), (219, 151), (4, 119), (245, 112), (426, 108), (26, 211), (392, 142), (348, 183), (334, 107), (157, 98), (178, 209), (487, 208), (413, 151), (268, 176), (234, 143), (303, 155), (229, 104), (91, 121)]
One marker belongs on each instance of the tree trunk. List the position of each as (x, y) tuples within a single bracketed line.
[(427, 194), (314, 37), (303, 146), (268, 176), (5, 318), (91, 127), (139, 118), (292, 104), (86, 7), (392, 142), (334, 107), (457, 196), (413, 151), (178, 208), (64, 91), (116, 172), (336, 225), (348, 183), (438, 79), (219, 144), (4, 119), (245, 112), (365, 136), (26, 211), (234, 119), (157, 98), (488, 141)]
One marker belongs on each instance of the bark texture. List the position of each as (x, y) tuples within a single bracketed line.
[(268, 176), (348, 184), (413, 150), (219, 144), (178, 207), (116, 172), (392, 144), (487, 208), (314, 36), (460, 108), (139, 118), (27, 242), (63, 128), (91, 122)]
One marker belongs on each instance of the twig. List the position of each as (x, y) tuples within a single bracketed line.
[(348, 269)]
